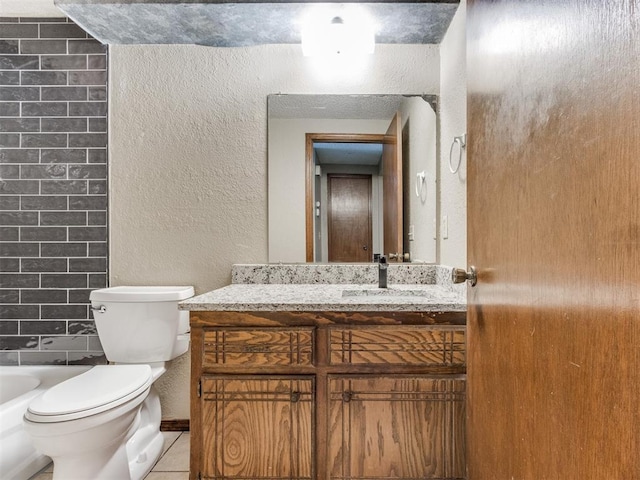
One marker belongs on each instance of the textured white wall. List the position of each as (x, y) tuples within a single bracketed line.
[(188, 157), (453, 122), (29, 8), (422, 157)]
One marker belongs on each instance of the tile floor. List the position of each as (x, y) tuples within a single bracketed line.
[(173, 464)]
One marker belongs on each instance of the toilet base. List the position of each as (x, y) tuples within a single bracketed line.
[(139, 467), (145, 445), (84, 467)]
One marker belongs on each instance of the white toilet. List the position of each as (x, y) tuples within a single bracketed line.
[(105, 423)]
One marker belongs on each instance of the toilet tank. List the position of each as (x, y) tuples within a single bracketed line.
[(141, 324)]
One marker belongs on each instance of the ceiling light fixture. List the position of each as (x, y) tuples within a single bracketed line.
[(337, 37)]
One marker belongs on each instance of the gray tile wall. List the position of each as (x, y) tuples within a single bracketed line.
[(53, 190)]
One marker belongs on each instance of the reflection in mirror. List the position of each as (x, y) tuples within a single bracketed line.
[(331, 191)]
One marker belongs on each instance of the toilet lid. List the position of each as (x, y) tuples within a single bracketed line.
[(99, 389)]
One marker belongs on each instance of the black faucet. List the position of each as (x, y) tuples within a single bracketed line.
[(382, 272)]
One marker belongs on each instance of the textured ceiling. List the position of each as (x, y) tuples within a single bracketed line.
[(245, 23)]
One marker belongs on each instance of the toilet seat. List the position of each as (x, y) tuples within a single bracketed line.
[(102, 388)]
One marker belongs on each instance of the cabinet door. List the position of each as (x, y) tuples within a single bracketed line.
[(257, 427), (400, 427)]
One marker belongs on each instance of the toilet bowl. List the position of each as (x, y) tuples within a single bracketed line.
[(83, 424), (105, 423)]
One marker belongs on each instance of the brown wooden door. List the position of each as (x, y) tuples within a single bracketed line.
[(349, 218), (400, 427), (392, 187), (254, 427), (554, 230)]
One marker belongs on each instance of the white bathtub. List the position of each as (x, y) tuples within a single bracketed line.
[(18, 387)]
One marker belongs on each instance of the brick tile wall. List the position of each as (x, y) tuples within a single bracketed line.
[(53, 190)]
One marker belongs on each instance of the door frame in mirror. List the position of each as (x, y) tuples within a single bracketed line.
[(312, 138)]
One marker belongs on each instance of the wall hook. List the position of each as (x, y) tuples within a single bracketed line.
[(462, 142)]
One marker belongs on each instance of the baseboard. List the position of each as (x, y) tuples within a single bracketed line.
[(174, 425)]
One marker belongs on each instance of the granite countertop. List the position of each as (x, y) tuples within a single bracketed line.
[(319, 296), (343, 297)]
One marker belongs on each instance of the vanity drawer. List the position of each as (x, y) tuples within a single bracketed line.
[(392, 345), (256, 347)]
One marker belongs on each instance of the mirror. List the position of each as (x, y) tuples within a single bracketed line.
[(321, 147)]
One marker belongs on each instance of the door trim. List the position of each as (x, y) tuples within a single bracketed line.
[(312, 138)]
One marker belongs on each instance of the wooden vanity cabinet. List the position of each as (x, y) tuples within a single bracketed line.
[(327, 396), (257, 427), (387, 427)]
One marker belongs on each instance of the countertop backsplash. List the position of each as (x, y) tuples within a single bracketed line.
[(333, 273)]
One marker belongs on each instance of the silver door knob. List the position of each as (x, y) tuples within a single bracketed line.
[(459, 275)]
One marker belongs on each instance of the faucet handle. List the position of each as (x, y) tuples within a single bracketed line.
[(382, 272), (405, 257)]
